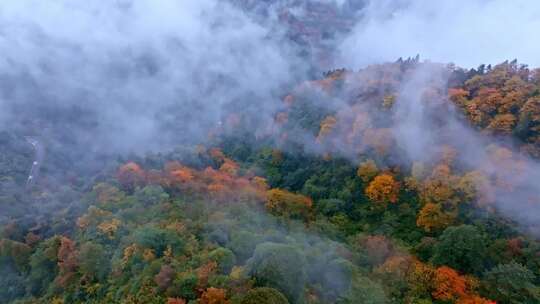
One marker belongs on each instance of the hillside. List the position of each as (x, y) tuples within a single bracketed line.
[(323, 208), (262, 152)]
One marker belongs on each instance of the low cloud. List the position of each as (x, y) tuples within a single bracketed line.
[(468, 33), (134, 75)]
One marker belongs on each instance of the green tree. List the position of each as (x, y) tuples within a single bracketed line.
[(184, 286), (462, 248), (511, 283), (151, 195), (365, 291), (279, 266), (225, 259), (93, 261), (264, 295), (43, 263), (158, 239)]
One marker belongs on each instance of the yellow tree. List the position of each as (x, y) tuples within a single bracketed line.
[(214, 296), (383, 189), (439, 187), (327, 125), (283, 202), (367, 170), (476, 187), (502, 124), (432, 218)]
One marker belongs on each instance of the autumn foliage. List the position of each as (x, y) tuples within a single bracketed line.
[(432, 218), (220, 184), (449, 285), (131, 175), (283, 202), (367, 170), (383, 189), (177, 229), (214, 296), (67, 261)]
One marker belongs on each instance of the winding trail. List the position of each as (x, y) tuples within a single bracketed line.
[(36, 164)]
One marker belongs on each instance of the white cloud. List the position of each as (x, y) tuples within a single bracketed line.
[(466, 32)]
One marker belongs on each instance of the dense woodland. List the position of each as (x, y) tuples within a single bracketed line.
[(325, 207)]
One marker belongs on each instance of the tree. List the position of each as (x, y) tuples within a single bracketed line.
[(214, 296), (367, 170), (12, 281), (131, 176), (44, 267), (283, 202), (68, 262), (439, 187), (264, 295), (420, 279), (449, 285), (278, 266), (243, 244), (109, 228), (364, 291), (461, 247), (229, 167), (185, 286), (383, 189), (394, 273), (225, 259), (107, 194), (474, 300), (14, 251), (378, 249), (458, 96), (330, 207), (93, 262), (511, 283), (431, 218), (337, 278), (475, 186), (158, 239), (502, 124), (165, 277), (151, 195), (327, 125)]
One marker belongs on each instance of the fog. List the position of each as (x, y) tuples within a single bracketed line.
[(467, 33), (138, 76), (422, 128), (134, 75), (89, 85)]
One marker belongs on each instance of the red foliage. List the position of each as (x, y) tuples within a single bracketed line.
[(131, 175), (204, 272), (449, 285), (514, 246), (474, 300), (67, 261), (214, 296)]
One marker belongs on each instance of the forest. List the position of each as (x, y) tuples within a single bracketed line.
[(324, 208), (269, 152)]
